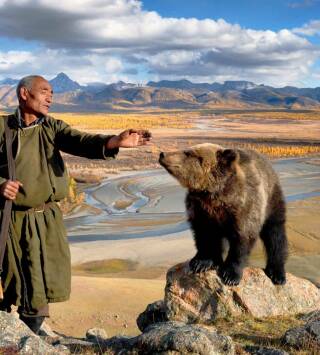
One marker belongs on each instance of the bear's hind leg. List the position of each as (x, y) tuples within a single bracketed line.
[(275, 241), (209, 252), (231, 271)]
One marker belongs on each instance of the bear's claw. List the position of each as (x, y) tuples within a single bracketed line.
[(277, 277), (230, 276), (202, 265)]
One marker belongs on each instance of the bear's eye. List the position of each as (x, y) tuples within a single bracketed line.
[(190, 154)]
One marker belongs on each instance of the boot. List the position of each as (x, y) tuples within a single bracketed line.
[(34, 323)]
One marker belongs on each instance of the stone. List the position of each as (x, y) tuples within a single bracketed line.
[(119, 345), (16, 337), (256, 350), (154, 313), (203, 297), (305, 336), (180, 338), (96, 334), (46, 331), (35, 346), (77, 345)]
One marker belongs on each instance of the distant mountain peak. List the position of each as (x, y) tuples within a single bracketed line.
[(62, 83)]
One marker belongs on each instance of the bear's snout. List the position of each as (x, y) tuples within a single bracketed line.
[(161, 156)]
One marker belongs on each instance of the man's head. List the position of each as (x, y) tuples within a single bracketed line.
[(35, 95)]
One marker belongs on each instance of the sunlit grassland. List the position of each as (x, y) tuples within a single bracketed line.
[(277, 151), (124, 121), (300, 116)]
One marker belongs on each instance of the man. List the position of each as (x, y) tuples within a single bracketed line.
[(36, 267)]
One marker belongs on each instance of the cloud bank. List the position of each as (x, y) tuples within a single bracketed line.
[(116, 39)]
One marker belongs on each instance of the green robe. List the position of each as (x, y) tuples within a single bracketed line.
[(36, 267)]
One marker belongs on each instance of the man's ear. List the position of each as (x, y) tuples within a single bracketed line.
[(227, 157), (23, 93)]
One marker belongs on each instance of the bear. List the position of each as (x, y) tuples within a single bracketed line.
[(233, 195)]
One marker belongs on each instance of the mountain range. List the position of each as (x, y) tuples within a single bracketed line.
[(183, 94)]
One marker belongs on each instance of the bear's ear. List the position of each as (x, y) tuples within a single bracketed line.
[(227, 157)]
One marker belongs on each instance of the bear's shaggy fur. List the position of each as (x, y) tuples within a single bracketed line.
[(233, 195)]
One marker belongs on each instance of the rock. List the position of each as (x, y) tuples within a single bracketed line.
[(62, 349), (306, 336), (311, 316), (96, 334), (46, 331), (172, 338), (77, 345), (180, 338), (202, 298), (12, 329), (256, 350), (16, 337), (119, 345), (32, 346), (154, 313)]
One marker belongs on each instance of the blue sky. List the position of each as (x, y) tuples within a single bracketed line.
[(275, 42), (257, 14)]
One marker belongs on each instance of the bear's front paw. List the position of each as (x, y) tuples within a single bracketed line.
[(201, 265), (278, 277), (230, 276)]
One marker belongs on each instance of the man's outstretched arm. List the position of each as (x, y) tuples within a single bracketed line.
[(96, 146)]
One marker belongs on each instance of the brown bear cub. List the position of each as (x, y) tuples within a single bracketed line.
[(233, 195)]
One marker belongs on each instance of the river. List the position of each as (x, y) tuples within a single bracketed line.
[(151, 203)]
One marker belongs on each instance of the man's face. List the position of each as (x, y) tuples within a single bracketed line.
[(37, 99)]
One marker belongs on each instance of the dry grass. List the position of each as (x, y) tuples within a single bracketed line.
[(279, 151), (267, 332), (96, 121), (300, 116), (73, 199)]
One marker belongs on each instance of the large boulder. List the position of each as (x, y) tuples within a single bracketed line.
[(203, 297)]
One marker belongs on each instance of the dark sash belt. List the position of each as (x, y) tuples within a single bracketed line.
[(44, 207)]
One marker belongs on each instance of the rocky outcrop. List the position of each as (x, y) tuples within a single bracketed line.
[(183, 322), (164, 337), (306, 336), (203, 298)]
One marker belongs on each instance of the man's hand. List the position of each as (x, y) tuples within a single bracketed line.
[(129, 139), (9, 189)]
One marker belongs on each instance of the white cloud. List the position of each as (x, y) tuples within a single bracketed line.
[(102, 38), (49, 62), (12, 59), (310, 29)]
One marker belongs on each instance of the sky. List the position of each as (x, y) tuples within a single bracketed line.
[(272, 42)]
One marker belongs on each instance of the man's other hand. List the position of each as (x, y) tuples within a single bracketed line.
[(9, 189), (129, 138)]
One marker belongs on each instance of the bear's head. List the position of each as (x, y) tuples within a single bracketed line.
[(203, 167)]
